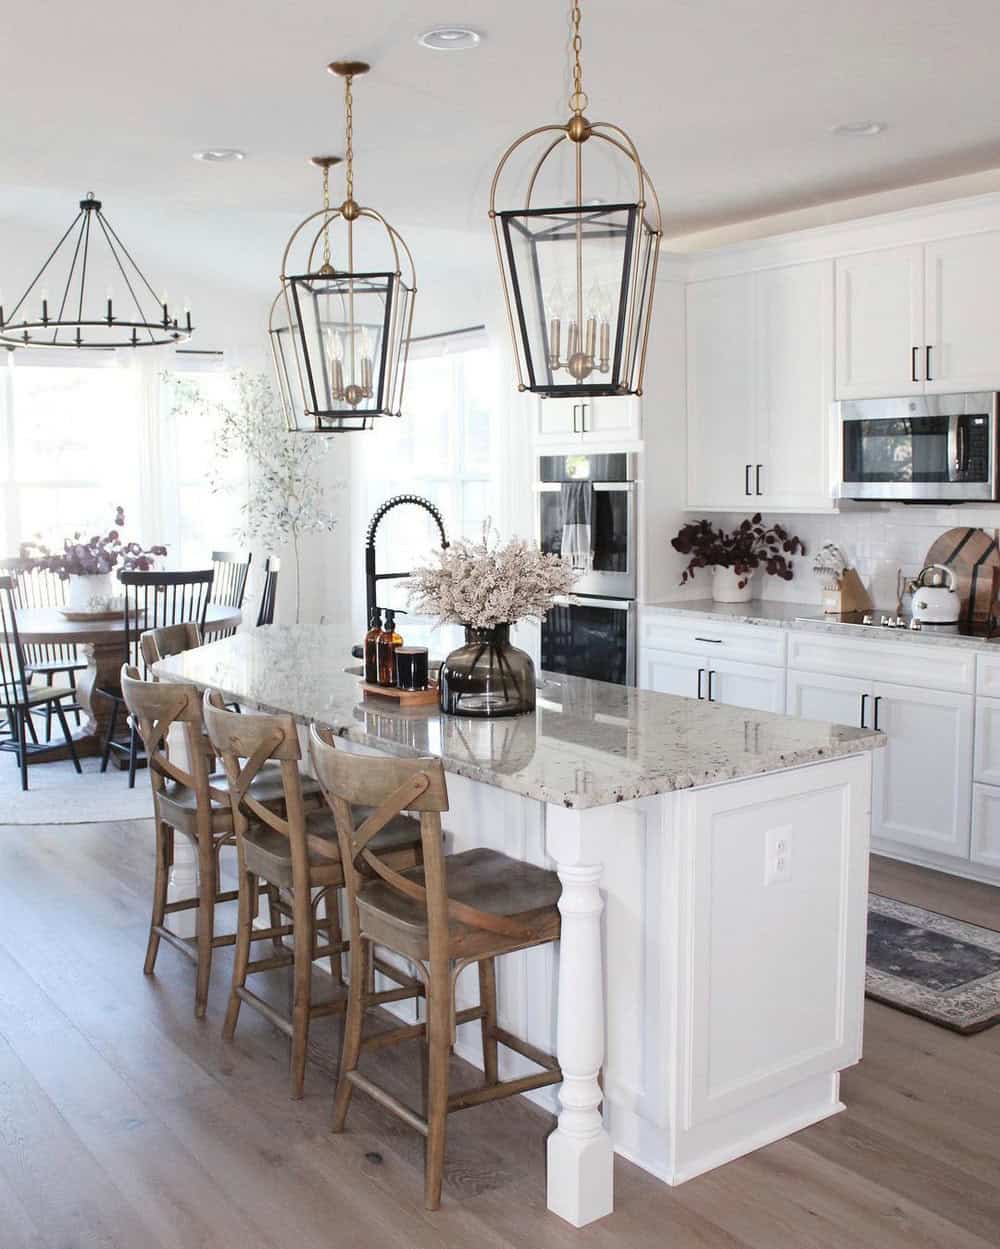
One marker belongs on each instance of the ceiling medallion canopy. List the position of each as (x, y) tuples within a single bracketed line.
[(340, 325), (91, 255), (578, 278)]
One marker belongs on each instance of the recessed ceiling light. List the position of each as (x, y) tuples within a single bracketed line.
[(858, 129), (450, 39), (220, 155)]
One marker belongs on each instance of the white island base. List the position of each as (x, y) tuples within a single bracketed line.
[(712, 962)]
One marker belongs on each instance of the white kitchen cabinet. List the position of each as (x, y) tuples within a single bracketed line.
[(669, 673), (756, 686), (962, 316), (794, 387), (986, 826), (587, 420), (923, 777), (880, 323), (822, 696), (720, 393), (987, 761), (760, 390), (746, 685)]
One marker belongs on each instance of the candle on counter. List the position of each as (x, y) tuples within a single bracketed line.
[(411, 667)]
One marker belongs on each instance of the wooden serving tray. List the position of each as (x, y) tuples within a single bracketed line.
[(405, 698), (90, 615)]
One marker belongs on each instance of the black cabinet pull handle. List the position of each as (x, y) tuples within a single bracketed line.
[(583, 417), (746, 479), (927, 370), (576, 408), (711, 694), (714, 641), (864, 701), (701, 673), (878, 700), (757, 477), (913, 364)]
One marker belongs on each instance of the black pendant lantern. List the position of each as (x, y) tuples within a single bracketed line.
[(91, 255), (578, 278), (340, 328)]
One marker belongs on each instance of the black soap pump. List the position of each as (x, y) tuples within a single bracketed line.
[(371, 646)]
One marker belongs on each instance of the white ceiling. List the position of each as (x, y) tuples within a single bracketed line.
[(729, 101)]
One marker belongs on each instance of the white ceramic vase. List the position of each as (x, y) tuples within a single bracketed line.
[(92, 595), (726, 585)]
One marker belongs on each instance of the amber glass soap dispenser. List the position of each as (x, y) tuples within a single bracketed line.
[(371, 646), (388, 641)]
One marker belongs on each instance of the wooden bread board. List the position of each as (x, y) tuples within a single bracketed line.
[(405, 698), (972, 555)]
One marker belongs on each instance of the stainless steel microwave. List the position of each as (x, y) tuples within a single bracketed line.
[(920, 448)]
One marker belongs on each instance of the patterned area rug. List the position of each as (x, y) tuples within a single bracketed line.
[(933, 966)]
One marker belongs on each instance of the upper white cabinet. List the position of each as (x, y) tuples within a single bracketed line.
[(720, 389), (571, 422), (880, 323), (921, 319), (760, 388), (962, 317)]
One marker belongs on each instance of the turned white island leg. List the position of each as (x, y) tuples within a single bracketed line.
[(580, 1156)]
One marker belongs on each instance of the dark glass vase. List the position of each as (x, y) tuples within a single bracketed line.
[(487, 676)]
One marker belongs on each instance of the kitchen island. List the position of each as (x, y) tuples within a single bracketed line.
[(714, 872)]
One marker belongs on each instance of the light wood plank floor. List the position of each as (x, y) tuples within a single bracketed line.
[(126, 1124)]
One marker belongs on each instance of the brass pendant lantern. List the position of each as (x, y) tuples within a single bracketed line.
[(578, 278), (340, 324)]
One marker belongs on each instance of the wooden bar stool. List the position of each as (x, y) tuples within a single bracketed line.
[(187, 800), (299, 853), (451, 912)]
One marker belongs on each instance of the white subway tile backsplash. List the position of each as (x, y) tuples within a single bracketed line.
[(877, 543)]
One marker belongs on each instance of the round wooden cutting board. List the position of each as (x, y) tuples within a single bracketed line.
[(973, 555)]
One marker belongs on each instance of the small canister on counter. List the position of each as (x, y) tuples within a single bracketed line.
[(411, 667)]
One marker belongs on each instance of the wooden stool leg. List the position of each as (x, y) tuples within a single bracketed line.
[(353, 1025), (438, 1051), (248, 888), (207, 889), (302, 917), (274, 914), (164, 835), (488, 1001), (331, 911)]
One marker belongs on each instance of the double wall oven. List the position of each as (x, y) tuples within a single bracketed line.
[(592, 632)]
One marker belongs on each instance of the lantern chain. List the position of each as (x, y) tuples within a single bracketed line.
[(349, 113), (578, 100), (326, 220)]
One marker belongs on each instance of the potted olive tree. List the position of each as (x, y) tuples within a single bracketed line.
[(735, 556)]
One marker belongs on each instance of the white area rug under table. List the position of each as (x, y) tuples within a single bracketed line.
[(57, 795)]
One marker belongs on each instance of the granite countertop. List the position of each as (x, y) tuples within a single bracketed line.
[(810, 618), (588, 743)]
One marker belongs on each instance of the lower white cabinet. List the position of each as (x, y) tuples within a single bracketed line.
[(755, 686), (986, 826), (923, 778), (819, 696)]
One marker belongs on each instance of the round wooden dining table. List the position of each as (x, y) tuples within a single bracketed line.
[(102, 644)]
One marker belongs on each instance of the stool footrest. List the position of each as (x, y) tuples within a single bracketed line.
[(388, 1101), (525, 1049), (508, 1088)]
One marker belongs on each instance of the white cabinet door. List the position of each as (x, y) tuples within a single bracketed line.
[(880, 323), (669, 673), (746, 685), (986, 825), (923, 777), (987, 763), (558, 421), (794, 340), (720, 392), (820, 696), (962, 320), (610, 418)]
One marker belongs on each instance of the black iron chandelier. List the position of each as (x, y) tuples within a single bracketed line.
[(88, 252), (340, 331), (578, 278)]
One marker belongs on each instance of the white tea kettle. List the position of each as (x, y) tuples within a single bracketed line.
[(935, 599)]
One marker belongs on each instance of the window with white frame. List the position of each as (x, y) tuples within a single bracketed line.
[(444, 449), (83, 433)]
